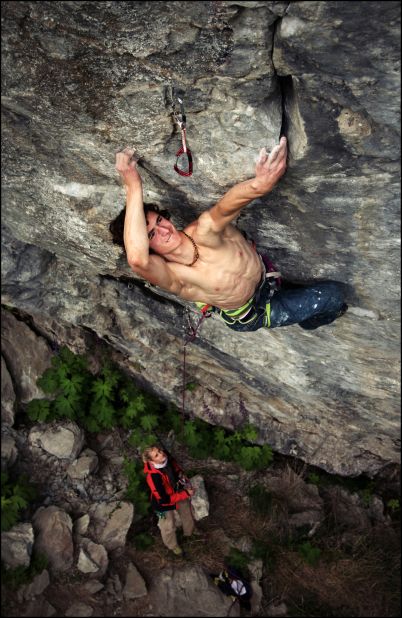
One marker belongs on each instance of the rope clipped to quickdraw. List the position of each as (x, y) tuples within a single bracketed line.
[(191, 335), (184, 151)]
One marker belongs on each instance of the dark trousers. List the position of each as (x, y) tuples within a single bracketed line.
[(309, 306)]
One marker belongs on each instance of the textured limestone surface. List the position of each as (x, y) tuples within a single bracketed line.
[(81, 80)]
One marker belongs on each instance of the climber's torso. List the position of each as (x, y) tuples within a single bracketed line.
[(226, 273)]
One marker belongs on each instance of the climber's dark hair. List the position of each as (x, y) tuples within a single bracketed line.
[(116, 227)]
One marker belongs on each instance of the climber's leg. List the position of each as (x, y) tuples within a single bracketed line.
[(310, 307)]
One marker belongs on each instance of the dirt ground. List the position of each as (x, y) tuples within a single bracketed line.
[(358, 583)]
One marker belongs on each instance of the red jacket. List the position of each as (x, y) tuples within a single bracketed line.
[(164, 495)]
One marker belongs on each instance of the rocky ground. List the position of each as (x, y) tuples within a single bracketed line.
[(350, 579)]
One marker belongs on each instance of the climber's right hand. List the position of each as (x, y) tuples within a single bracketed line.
[(126, 165)]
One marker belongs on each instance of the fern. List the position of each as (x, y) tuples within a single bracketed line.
[(39, 410), (221, 449), (137, 490), (249, 433), (15, 578), (191, 437), (143, 541), (309, 553), (266, 457), (15, 497), (110, 398), (141, 440), (92, 425), (173, 419), (49, 381), (64, 407), (104, 413), (102, 389), (239, 560), (72, 386), (313, 478), (130, 414), (149, 422), (249, 456)]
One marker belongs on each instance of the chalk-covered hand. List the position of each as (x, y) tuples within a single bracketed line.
[(270, 167), (126, 165)]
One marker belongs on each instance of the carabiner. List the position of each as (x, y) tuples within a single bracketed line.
[(180, 119)]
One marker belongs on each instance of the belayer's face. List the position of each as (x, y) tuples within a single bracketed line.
[(157, 456), (162, 235)]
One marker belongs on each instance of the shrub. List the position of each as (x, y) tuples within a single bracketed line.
[(15, 497), (260, 499), (96, 402), (14, 578), (309, 553), (239, 560), (137, 490), (143, 541), (110, 398)]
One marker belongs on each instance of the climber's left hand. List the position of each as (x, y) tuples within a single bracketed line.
[(271, 167)]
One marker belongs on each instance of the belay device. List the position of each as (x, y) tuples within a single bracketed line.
[(184, 159)]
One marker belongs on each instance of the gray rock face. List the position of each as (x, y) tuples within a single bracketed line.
[(188, 591), (7, 396), (110, 523), (63, 440), (53, 537), (79, 85), (19, 342), (16, 546)]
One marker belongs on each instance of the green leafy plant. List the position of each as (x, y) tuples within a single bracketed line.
[(260, 499), (394, 505), (267, 551), (313, 478), (15, 497), (173, 419), (109, 398), (204, 440), (366, 494), (98, 401), (14, 578), (143, 541), (191, 386), (309, 553), (239, 560), (137, 490)]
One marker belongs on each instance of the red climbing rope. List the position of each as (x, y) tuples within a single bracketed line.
[(191, 335)]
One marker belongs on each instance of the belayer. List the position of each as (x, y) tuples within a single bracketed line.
[(170, 491), (211, 262)]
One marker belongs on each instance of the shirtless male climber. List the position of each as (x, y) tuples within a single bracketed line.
[(211, 263)]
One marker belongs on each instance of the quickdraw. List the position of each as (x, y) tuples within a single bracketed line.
[(180, 119)]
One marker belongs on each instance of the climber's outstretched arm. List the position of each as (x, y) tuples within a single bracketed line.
[(153, 268), (135, 227), (268, 171)]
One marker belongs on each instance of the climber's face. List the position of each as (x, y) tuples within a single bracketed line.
[(162, 235)]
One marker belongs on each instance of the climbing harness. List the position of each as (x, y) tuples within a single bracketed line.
[(190, 335), (184, 151), (250, 311)]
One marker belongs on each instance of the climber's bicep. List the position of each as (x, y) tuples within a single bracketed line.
[(158, 272)]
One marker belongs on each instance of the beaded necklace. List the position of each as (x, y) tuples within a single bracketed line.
[(196, 254)]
